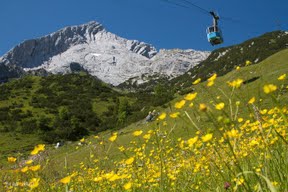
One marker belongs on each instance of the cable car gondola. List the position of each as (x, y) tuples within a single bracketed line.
[(214, 33)]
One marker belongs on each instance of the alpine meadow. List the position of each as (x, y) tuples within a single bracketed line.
[(143, 96), (220, 126)]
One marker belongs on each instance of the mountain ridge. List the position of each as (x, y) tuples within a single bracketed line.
[(111, 58)]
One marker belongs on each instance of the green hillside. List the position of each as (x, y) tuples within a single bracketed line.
[(230, 136), (65, 107)]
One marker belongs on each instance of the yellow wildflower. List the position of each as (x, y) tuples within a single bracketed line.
[(233, 133), (129, 161), (113, 137), (269, 88), (37, 149), (240, 120), (24, 169), (180, 104), (35, 168), (197, 81), (237, 68), (96, 179), (253, 143), (202, 107), (220, 106), (213, 77), (207, 137), (282, 77), (137, 133), (190, 96), (82, 140), (275, 183), (41, 147), (147, 136), (121, 148), (236, 83), (34, 182), (12, 159), (127, 186), (162, 116), (29, 162), (248, 62), (263, 112), (174, 115), (192, 141), (210, 83), (114, 177), (34, 152), (252, 100), (65, 180), (240, 181)]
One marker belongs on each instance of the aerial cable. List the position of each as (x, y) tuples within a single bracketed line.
[(194, 5), (187, 4), (175, 3)]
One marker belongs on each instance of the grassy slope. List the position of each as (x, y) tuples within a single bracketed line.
[(34, 98), (267, 72)]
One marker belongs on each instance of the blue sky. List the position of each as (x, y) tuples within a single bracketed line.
[(153, 21)]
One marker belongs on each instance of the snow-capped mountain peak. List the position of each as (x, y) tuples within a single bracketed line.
[(111, 58)]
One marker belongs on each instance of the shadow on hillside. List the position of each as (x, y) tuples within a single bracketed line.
[(251, 80)]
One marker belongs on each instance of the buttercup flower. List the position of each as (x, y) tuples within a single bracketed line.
[(174, 115), (248, 62), (34, 182), (12, 159), (207, 137), (129, 161), (65, 180), (220, 106), (213, 77), (137, 133), (282, 77), (127, 186), (202, 107), (269, 88), (37, 149), (252, 100), (197, 81), (236, 83), (180, 104), (162, 116), (113, 137), (190, 96)]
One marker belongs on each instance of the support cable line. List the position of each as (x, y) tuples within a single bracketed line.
[(214, 34)]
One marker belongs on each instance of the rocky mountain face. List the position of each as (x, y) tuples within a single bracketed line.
[(105, 55)]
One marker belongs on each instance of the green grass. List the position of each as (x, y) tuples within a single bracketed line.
[(15, 144), (65, 160)]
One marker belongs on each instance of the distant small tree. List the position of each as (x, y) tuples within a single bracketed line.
[(63, 113), (123, 110), (163, 93)]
